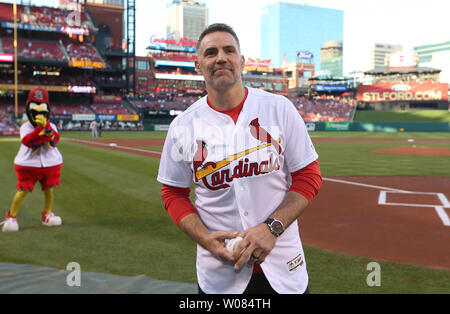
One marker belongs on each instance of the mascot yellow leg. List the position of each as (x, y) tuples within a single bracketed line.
[(48, 200), (17, 202)]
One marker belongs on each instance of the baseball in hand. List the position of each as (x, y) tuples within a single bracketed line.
[(232, 243)]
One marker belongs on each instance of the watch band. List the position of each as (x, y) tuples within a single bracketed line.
[(275, 226)]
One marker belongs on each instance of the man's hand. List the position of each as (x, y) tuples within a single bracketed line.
[(215, 243), (41, 120), (258, 242)]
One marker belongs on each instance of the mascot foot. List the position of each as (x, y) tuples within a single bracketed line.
[(10, 224), (51, 220)]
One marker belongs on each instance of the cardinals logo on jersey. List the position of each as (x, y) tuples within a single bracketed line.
[(258, 132), (220, 174), (200, 156)]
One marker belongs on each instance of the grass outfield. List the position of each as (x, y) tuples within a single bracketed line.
[(114, 221)]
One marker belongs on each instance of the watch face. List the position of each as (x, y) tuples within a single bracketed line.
[(277, 227)]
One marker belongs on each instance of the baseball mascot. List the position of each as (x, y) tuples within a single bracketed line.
[(38, 159)]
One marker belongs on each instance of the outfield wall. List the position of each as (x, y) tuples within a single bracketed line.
[(355, 126), (311, 126), (380, 126)]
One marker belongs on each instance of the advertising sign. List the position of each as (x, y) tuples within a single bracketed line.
[(161, 47), (127, 117), (75, 31), (170, 63), (50, 88), (402, 59), (60, 116), (106, 117), (87, 64), (310, 126), (182, 42), (162, 127), (330, 88), (47, 28), (337, 126), (6, 57), (258, 63), (193, 91), (83, 117), (164, 76), (305, 55), (81, 89), (403, 92), (107, 99)]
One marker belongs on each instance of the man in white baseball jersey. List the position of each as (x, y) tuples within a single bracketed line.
[(38, 159), (94, 127), (254, 170)]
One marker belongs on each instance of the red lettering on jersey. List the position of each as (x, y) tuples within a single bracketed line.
[(216, 181)]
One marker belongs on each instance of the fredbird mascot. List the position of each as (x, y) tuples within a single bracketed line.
[(38, 159)]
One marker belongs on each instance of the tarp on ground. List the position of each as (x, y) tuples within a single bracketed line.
[(29, 279)]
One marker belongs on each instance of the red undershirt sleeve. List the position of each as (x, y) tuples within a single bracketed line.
[(177, 202), (307, 181)]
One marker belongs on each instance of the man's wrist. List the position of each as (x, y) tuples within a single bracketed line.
[(276, 227)]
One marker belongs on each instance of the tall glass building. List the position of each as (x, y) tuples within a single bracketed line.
[(186, 18), (287, 28), (436, 55)]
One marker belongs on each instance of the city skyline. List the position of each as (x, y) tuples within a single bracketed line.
[(407, 23), (317, 24)]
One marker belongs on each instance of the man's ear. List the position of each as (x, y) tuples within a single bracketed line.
[(242, 62), (197, 67)]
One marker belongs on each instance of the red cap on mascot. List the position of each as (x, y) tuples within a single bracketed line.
[(38, 95)]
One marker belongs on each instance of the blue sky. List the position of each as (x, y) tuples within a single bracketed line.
[(406, 22)]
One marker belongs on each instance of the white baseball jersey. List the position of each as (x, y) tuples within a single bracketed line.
[(44, 157), (242, 174)]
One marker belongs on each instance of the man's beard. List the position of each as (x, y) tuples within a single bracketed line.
[(224, 81)]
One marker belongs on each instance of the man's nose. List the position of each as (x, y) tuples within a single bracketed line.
[(221, 57)]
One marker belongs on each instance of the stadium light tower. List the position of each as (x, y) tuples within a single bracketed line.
[(16, 79), (131, 47)]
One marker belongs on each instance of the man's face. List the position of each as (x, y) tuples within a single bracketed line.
[(219, 60)]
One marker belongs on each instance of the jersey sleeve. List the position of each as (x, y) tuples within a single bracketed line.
[(299, 149), (175, 165), (307, 181)]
